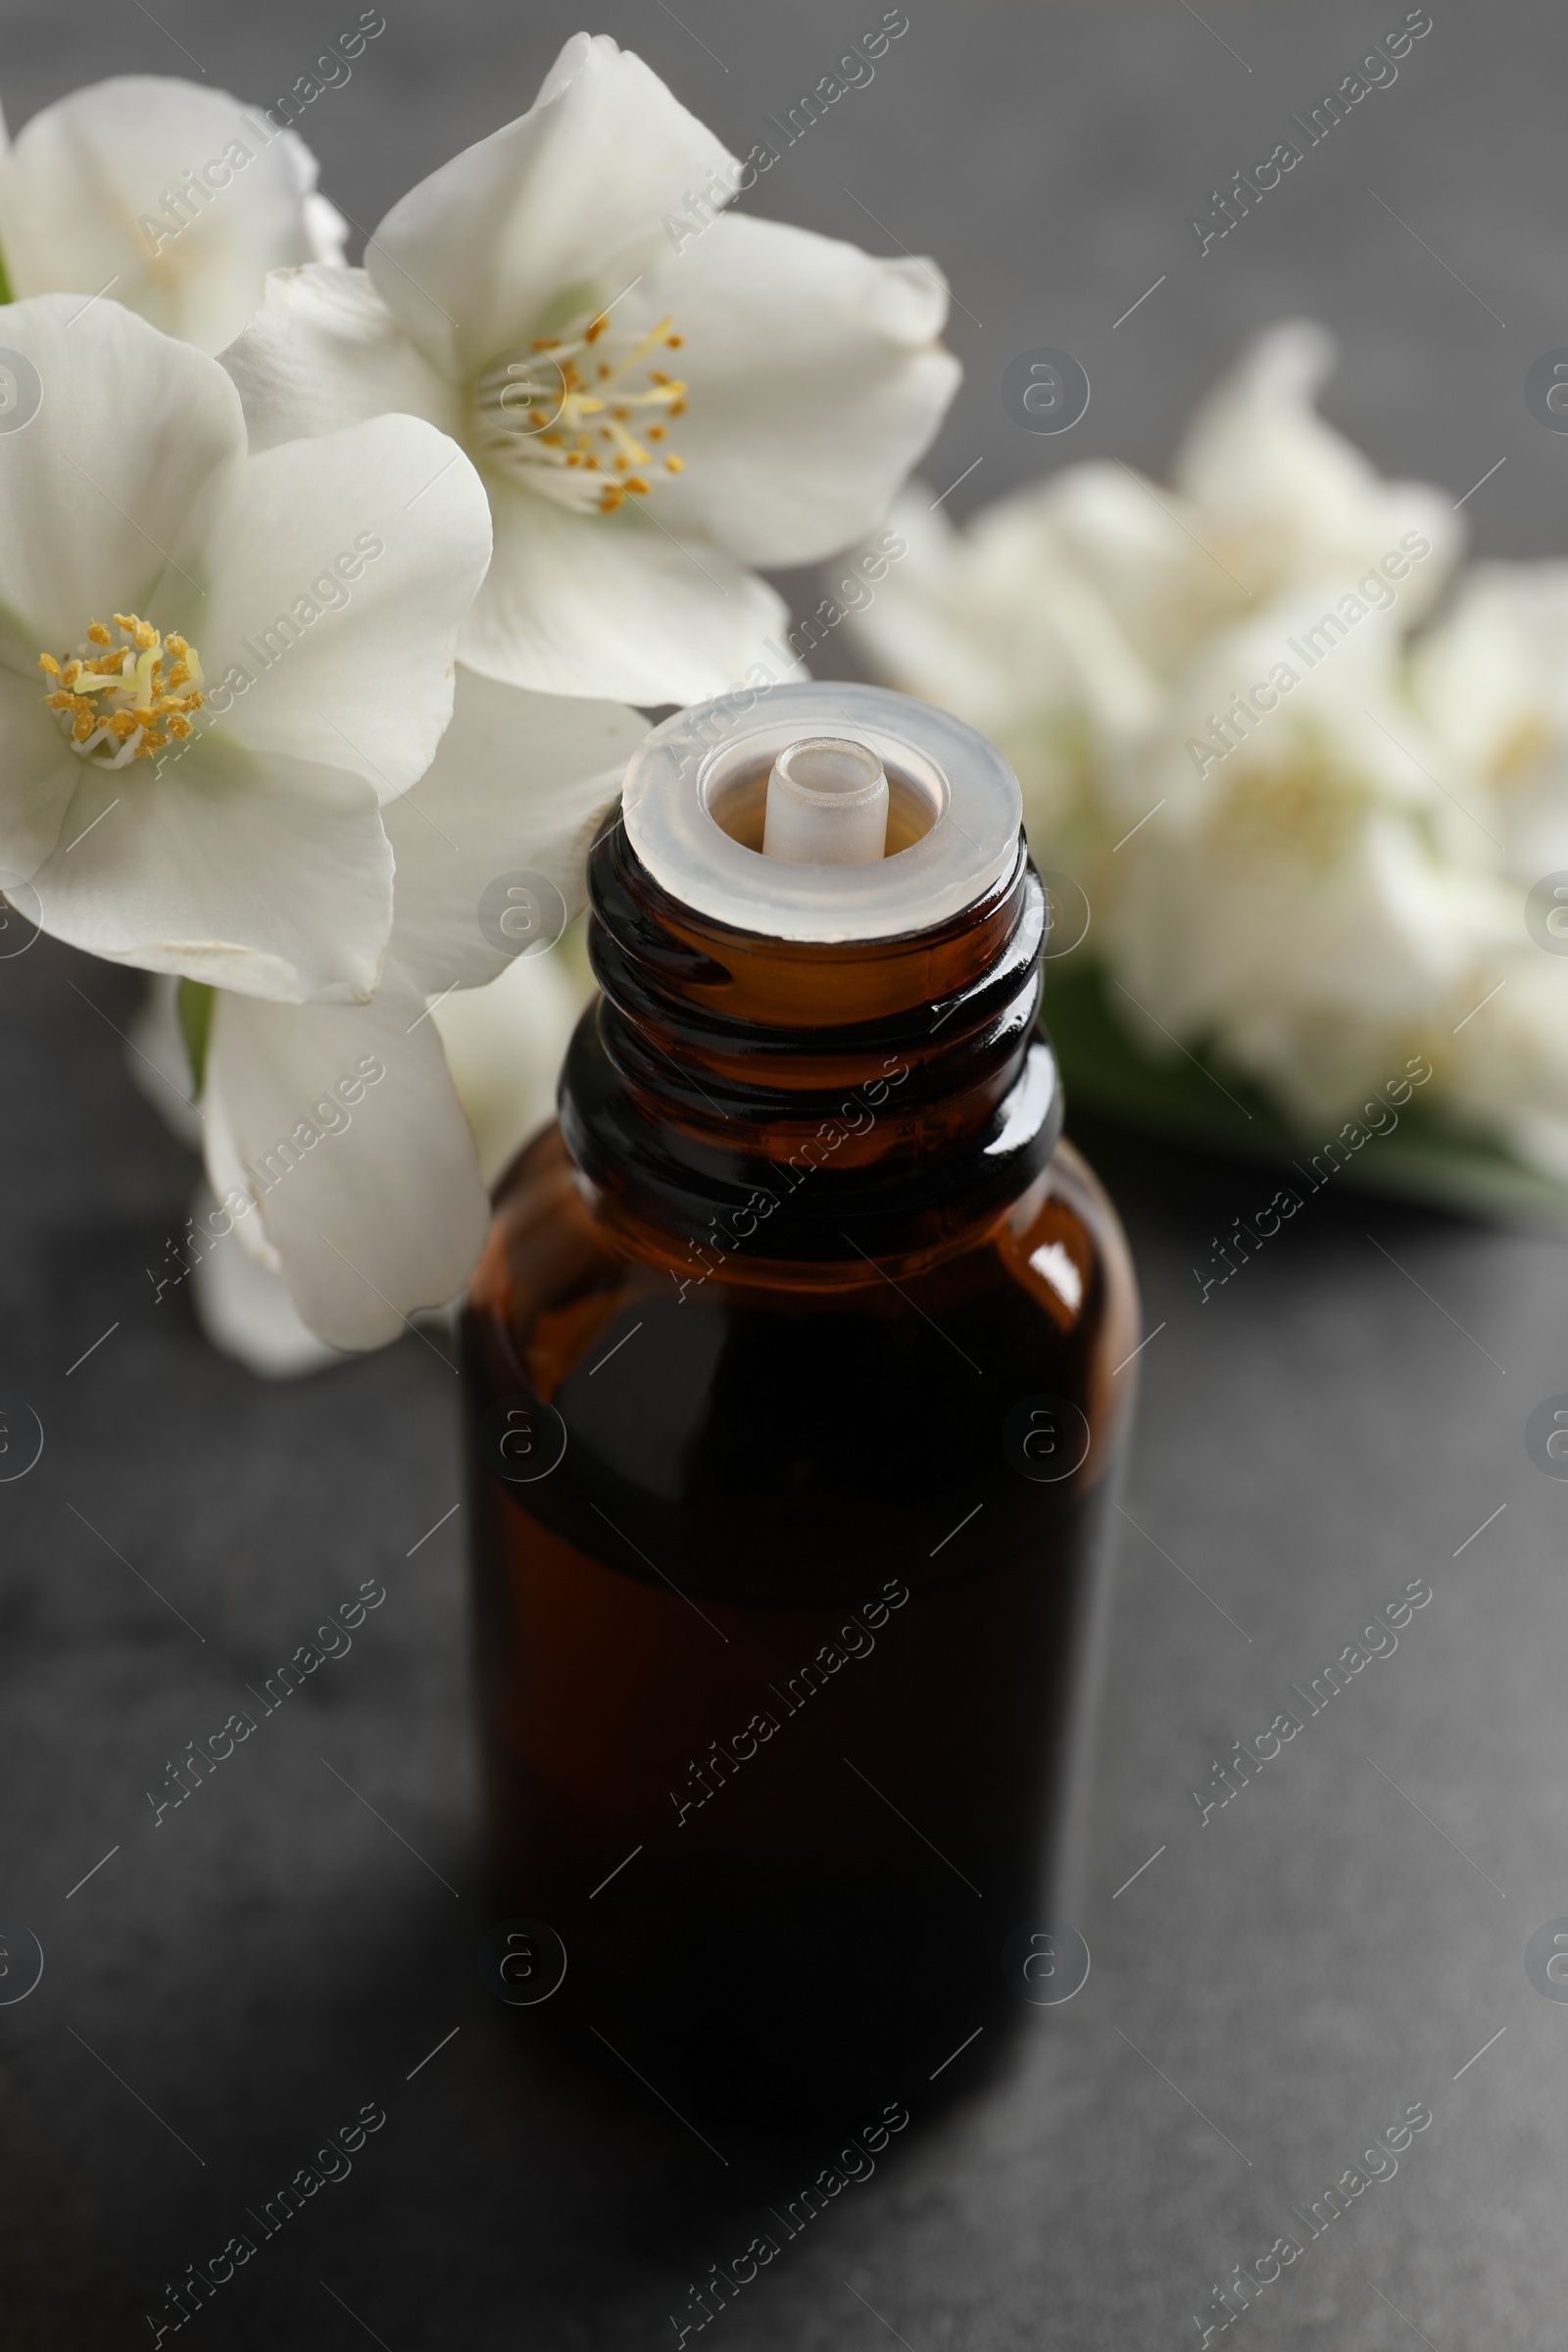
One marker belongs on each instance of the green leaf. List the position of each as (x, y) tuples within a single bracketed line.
[(6, 294), (196, 1000), (1200, 1102)]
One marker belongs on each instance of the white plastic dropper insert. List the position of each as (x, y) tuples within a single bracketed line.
[(951, 797), (827, 803)]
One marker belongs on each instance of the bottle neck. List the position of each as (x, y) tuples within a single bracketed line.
[(756, 1099)]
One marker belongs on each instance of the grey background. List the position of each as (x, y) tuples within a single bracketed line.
[(1272, 1989)]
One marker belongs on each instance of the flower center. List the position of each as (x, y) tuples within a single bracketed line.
[(125, 702), (1286, 816), (1523, 751), (579, 416)]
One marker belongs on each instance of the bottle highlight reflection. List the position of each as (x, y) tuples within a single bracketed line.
[(797, 1383)]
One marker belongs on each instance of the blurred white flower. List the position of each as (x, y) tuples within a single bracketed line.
[(1264, 497), (653, 413), (1292, 905), (1492, 678), (1344, 883), (1307, 834), (999, 624), (213, 665), (333, 1135), (173, 199), (1059, 619)]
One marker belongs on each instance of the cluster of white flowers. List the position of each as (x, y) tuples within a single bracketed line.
[(314, 584), (1307, 803)]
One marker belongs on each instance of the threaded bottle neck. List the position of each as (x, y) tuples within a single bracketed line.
[(784, 1099)]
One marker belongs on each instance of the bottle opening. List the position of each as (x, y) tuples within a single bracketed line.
[(700, 791), (829, 767)]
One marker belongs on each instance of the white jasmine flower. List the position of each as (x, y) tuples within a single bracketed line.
[(1307, 849), (1290, 900), (215, 665), (504, 1045), (1061, 618), (1506, 1065), (1320, 894), (1491, 677), (333, 1133), (1264, 495), (244, 1308), (1000, 625), (173, 199), (655, 405)]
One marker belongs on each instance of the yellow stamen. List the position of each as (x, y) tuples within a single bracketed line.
[(128, 702), (545, 415)]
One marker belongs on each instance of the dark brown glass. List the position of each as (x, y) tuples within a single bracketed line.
[(797, 1621)]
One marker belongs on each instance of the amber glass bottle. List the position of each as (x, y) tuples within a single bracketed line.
[(797, 1385)]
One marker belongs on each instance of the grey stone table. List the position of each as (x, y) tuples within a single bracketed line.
[(1272, 1987)]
